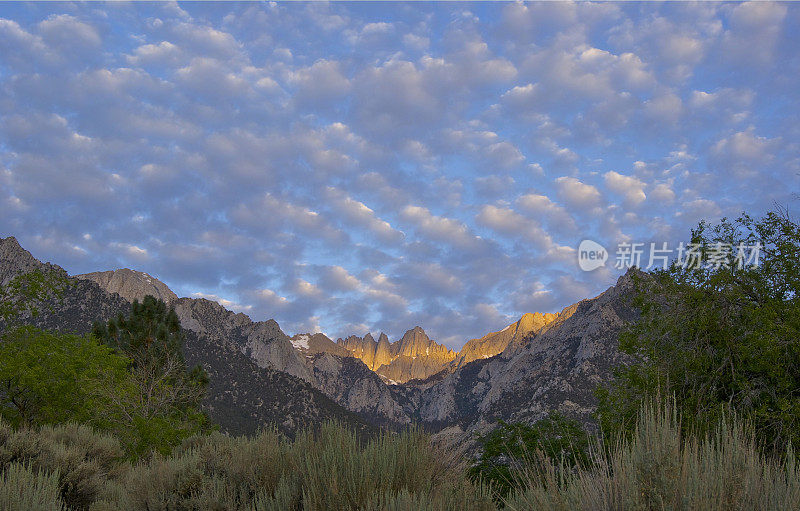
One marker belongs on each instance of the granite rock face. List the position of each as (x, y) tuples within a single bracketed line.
[(494, 343), (131, 285), (413, 356), (262, 341), (557, 368), (15, 260)]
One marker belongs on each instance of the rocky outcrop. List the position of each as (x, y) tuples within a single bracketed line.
[(413, 356), (356, 387), (15, 260), (263, 341), (495, 343), (313, 344), (558, 368), (131, 285)]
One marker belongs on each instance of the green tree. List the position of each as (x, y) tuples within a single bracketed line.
[(48, 378), (512, 451), (165, 409), (722, 337)]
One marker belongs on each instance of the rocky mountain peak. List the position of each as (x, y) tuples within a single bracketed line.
[(130, 284), (16, 260), (414, 342)]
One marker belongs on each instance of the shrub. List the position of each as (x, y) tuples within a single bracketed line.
[(328, 469), (661, 468), (24, 489), (511, 447), (82, 461)]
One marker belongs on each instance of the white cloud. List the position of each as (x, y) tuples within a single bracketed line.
[(542, 207), (631, 188), (162, 54), (321, 82), (212, 79), (359, 214), (339, 279), (662, 193), (744, 153), (306, 289), (440, 228), (63, 30), (578, 195), (753, 33)]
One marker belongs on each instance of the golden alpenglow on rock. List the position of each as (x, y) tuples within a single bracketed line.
[(495, 343), (416, 357)]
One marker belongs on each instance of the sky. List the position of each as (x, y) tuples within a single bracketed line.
[(354, 167)]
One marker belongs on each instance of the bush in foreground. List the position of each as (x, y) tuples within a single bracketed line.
[(512, 448), (661, 468), (328, 469), (72, 468)]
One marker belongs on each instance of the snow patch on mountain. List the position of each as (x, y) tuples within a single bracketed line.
[(301, 342)]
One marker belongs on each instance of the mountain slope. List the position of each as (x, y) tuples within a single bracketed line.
[(242, 397), (494, 343), (557, 368), (131, 285)]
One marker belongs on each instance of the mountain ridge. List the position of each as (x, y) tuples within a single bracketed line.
[(261, 375), (242, 397), (414, 356)]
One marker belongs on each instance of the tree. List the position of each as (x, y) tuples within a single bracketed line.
[(512, 449), (166, 407), (48, 378), (721, 337)]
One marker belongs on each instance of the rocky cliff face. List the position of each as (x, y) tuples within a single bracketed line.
[(413, 356), (131, 285), (494, 343), (557, 368)]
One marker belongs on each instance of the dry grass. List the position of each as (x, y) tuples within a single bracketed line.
[(659, 469)]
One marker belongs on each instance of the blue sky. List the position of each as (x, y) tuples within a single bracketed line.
[(354, 167)]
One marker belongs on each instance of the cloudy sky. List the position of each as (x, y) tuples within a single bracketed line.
[(353, 167)]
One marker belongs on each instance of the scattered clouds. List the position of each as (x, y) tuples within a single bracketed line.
[(344, 169)]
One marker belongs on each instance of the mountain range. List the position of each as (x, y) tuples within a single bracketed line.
[(260, 375)]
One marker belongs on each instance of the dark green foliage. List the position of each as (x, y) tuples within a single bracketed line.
[(48, 378), (719, 339), (510, 450), (165, 408), (151, 334)]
